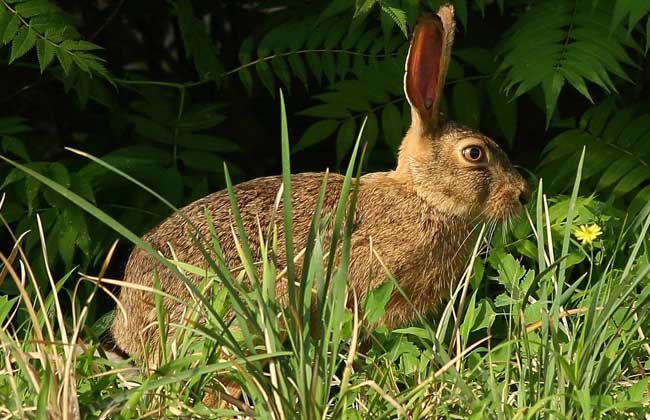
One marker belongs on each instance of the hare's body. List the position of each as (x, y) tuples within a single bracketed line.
[(410, 251), (414, 222)]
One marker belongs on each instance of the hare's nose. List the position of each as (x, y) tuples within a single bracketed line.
[(524, 194)]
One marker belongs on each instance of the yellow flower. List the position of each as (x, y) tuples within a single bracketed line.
[(586, 234)]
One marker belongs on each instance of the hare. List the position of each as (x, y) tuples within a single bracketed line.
[(418, 217)]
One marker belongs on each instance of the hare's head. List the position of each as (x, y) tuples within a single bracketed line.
[(457, 170)]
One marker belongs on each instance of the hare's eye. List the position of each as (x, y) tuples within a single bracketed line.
[(473, 154)]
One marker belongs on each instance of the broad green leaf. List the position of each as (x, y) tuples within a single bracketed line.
[(316, 133), (632, 180), (65, 59), (202, 161), (45, 51), (375, 303), (5, 18), (78, 45), (24, 42), (11, 29), (66, 240), (32, 8)]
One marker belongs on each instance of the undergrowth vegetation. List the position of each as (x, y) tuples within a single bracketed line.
[(114, 114)]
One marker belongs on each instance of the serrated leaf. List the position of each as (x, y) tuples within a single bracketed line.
[(316, 133), (363, 7), (197, 42), (32, 8), (24, 42), (45, 52), (78, 45), (5, 17), (397, 15), (65, 60), (11, 29)]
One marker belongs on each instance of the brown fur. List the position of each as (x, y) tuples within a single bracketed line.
[(419, 219)]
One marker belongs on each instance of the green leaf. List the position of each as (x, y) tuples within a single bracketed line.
[(647, 35), (197, 42), (208, 143), (326, 111), (32, 8), (560, 41), (397, 15), (15, 146), (370, 133), (552, 87), (66, 242), (11, 29), (5, 18), (202, 161), (466, 104), (12, 125), (45, 51), (24, 42), (363, 7), (171, 185), (505, 111), (78, 45), (632, 180), (65, 59), (315, 134), (345, 139), (374, 304)]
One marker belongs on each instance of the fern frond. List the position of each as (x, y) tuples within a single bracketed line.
[(616, 162), (321, 46), (197, 42), (41, 24), (563, 42)]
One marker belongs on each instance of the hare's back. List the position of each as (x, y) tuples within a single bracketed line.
[(256, 201)]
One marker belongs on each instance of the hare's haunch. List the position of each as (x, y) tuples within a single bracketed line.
[(417, 217)]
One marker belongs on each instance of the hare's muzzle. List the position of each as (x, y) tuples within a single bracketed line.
[(524, 193)]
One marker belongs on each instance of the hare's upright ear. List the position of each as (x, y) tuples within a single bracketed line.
[(424, 80), (426, 65)]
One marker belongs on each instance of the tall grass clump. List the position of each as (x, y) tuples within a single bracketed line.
[(539, 326)]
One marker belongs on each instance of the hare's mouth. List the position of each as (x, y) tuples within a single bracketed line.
[(499, 212)]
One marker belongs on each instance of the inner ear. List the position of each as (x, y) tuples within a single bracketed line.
[(423, 66)]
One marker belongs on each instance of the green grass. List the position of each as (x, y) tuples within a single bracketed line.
[(539, 326)]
